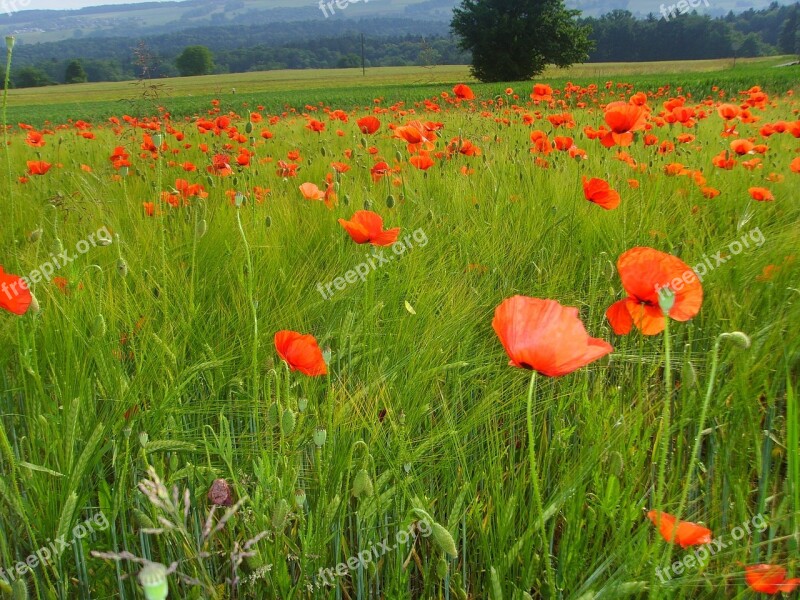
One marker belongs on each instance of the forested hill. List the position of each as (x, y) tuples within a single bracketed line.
[(395, 41)]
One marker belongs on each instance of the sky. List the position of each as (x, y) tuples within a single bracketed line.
[(61, 4)]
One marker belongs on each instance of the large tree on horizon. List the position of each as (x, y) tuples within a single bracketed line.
[(514, 40)]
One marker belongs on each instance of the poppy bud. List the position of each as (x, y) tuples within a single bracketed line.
[(442, 538), (738, 338), (122, 267), (346, 199), (367, 204), (10, 39), (441, 567), (35, 236), (268, 222), (300, 498), (201, 229), (288, 421), (280, 514), (398, 157), (153, 579), (99, 326), (272, 414), (330, 510), (362, 485), (323, 151), (58, 246), (390, 201), (210, 180), (320, 435), (34, 306), (248, 129)]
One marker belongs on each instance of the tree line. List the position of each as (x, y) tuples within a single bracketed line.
[(617, 37)]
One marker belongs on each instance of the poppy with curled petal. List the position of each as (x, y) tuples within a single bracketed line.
[(368, 125), (680, 532), (761, 194), (464, 92), (648, 276), (15, 297), (769, 579), (301, 353), (311, 191), (38, 167), (544, 336), (598, 191), (366, 227)]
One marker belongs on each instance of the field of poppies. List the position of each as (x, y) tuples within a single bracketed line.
[(539, 343)]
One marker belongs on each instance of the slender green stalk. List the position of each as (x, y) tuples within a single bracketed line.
[(253, 307), (537, 513), (666, 416)]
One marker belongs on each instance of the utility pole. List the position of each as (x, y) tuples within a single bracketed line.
[(363, 64)]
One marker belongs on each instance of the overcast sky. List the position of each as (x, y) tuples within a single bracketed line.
[(43, 4)]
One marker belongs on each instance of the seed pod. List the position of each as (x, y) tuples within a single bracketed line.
[(442, 538), (272, 414), (153, 579), (201, 229), (302, 404), (441, 567), (362, 485), (300, 498), (34, 308), (157, 140), (288, 421), (320, 435)]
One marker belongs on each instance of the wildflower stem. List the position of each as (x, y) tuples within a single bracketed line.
[(538, 510), (665, 416), (250, 297)]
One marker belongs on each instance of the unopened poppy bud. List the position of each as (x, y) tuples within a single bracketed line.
[(99, 326), (389, 201), (268, 222), (248, 129), (272, 414), (300, 498), (323, 151), (738, 338), (288, 421), (367, 204), (201, 229), (320, 435), (10, 39), (122, 267), (220, 493), (346, 199), (398, 157), (58, 246), (442, 538), (35, 236), (362, 485), (280, 514), (34, 307), (153, 579), (210, 180), (441, 567)]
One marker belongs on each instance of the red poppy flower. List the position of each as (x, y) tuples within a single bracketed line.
[(542, 92), (545, 336), (301, 353), (38, 167), (15, 297), (368, 125), (422, 161), (598, 191), (311, 191), (761, 194), (769, 579), (681, 532), (645, 274), (464, 92), (35, 139), (366, 226)]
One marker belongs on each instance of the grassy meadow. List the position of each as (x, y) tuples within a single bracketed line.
[(173, 237)]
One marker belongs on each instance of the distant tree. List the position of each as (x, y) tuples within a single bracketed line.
[(195, 60), (349, 61), (515, 40), (75, 73), (787, 38), (30, 77)]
